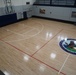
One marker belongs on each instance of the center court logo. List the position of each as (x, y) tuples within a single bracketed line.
[(68, 45)]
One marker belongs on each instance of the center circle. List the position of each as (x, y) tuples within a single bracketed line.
[(68, 45)]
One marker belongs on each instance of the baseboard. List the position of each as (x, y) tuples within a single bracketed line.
[(55, 20)]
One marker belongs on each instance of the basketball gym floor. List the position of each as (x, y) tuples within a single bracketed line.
[(31, 47)]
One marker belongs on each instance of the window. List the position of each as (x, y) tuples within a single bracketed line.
[(63, 2), (42, 2), (56, 2)]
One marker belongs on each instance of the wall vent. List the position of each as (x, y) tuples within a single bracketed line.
[(73, 14)]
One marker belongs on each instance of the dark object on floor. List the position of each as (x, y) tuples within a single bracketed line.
[(72, 44), (1, 73)]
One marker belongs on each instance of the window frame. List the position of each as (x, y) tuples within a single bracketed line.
[(57, 5), (44, 4)]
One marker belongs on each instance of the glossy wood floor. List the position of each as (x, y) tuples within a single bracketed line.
[(31, 47)]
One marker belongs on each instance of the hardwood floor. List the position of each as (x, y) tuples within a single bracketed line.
[(31, 47)]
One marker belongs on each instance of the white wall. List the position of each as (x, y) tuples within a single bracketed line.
[(21, 2), (31, 1), (2, 3), (2, 10), (62, 13), (20, 6), (17, 2)]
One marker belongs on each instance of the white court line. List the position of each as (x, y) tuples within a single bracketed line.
[(30, 35), (63, 64), (29, 26), (28, 31), (19, 33), (13, 32), (25, 38)]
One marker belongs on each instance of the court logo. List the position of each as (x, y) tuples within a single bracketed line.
[(68, 45)]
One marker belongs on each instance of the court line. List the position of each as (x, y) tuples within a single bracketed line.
[(63, 64), (20, 33), (28, 31), (46, 42), (16, 48), (17, 31), (29, 26), (13, 32), (29, 37), (33, 57), (48, 65), (5, 36)]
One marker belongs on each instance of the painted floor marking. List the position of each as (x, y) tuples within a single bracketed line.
[(64, 63)]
